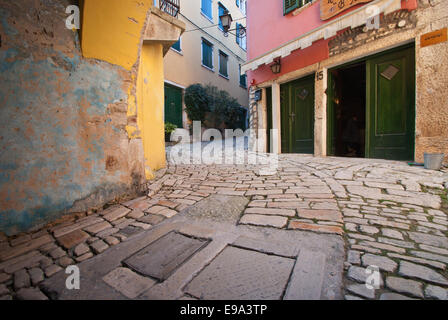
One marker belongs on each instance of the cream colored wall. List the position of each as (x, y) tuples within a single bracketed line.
[(186, 68)]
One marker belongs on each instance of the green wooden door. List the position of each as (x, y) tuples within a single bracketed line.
[(391, 106), (297, 116), (173, 105)]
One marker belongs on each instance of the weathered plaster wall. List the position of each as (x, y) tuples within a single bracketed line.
[(432, 81), (111, 30), (63, 141)]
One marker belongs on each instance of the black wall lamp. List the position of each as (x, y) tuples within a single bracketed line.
[(276, 67), (226, 21)]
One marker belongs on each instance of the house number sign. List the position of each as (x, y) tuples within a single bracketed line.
[(331, 8)]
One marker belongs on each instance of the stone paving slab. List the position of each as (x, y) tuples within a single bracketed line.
[(263, 220), (128, 283), (307, 278), (270, 247), (219, 207), (264, 251), (161, 258), (94, 269), (239, 274), (386, 212)]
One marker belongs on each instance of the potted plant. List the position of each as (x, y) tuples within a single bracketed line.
[(169, 128)]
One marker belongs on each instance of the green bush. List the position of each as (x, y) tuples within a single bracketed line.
[(235, 118), (169, 127), (223, 108), (196, 102)]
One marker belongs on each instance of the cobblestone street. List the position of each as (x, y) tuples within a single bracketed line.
[(375, 212)]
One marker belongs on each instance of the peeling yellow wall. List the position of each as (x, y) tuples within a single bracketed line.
[(112, 30), (150, 99)]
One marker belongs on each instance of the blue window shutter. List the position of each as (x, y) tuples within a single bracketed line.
[(238, 33), (206, 8), (221, 10), (176, 46)]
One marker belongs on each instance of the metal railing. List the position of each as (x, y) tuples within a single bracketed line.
[(172, 7)]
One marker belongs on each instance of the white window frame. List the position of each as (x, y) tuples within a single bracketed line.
[(241, 39), (243, 6)]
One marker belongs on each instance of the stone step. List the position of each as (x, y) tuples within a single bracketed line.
[(307, 277)]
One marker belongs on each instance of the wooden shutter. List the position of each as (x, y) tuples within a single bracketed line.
[(207, 54), (221, 10), (223, 64), (206, 8), (289, 5), (238, 40), (243, 79), (176, 46)]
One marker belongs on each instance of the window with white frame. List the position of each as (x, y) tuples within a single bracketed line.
[(242, 5), (241, 38)]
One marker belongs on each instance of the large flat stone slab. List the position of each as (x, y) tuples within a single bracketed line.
[(219, 207), (128, 283), (161, 258), (308, 276), (239, 274), (24, 248), (73, 238), (258, 269)]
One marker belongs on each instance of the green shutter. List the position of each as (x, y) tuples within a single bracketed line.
[(223, 60), (289, 5), (207, 54)]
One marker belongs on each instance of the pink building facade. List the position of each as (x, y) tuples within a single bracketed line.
[(364, 82)]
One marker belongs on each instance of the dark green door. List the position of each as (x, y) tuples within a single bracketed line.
[(391, 106), (297, 116), (173, 105)]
